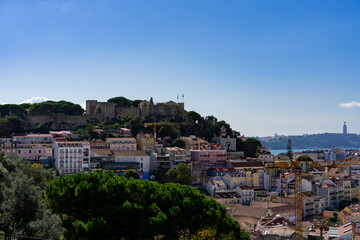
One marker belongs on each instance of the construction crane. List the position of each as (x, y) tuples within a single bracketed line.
[(155, 124), (300, 166)]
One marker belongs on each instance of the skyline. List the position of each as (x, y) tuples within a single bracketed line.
[(264, 68)]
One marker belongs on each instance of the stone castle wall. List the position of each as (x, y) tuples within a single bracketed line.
[(57, 121), (127, 112), (102, 111), (145, 109)]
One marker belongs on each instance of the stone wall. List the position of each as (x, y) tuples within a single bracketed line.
[(33, 121), (103, 111), (107, 110), (128, 111), (57, 121)]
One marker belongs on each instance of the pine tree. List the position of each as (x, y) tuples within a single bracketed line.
[(289, 149)]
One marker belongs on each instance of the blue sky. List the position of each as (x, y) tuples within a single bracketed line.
[(263, 66)]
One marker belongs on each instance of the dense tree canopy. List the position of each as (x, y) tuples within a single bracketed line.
[(50, 107), (13, 109), (21, 207), (179, 143), (124, 102), (181, 174), (11, 124), (101, 205), (132, 173), (251, 147)]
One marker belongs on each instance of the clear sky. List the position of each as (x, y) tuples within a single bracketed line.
[(265, 67)]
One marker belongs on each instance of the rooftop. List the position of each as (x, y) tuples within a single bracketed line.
[(247, 164), (215, 169), (109, 153), (71, 144), (231, 194)]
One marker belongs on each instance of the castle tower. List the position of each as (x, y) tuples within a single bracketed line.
[(344, 128)]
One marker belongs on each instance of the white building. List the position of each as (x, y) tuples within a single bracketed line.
[(246, 193), (215, 186), (228, 143), (71, 157), (121, 160), (122, 144), (265, 157), (177, 155)]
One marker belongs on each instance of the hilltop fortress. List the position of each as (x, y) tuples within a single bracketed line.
[(105, 111)]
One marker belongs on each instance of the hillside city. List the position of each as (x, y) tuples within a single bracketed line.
[(162, 142)]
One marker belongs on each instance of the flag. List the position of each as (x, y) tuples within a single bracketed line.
[(178, 96), (183, 95)]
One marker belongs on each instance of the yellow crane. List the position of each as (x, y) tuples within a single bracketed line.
[(300, 166), (155, 124)]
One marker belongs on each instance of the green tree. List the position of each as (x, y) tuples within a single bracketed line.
[(90, 131), (181, 174), (51, 107), (151, 101), (160, 174), (169, 131), (132, 173), (90, 206), (251, 147), (21, 203), (240, 146), (12, 109), (194, 116), (11, 124), (121, 101), (334, 218), (179, 143), (289, 152)]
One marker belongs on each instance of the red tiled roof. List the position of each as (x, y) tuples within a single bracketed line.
[(247, 164)]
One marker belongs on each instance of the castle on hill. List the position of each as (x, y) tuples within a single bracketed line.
[(105, 111)]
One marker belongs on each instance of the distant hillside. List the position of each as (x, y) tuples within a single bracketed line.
[(324, 140)]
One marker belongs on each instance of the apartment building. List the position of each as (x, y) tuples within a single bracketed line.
[(194, 143), (233, 180), (334, 191), (9, 148), (145, 141), (228, 143), (120, 161), (215, 186), (265, 157), (60, 135), (341, 232), (239, 166), (215, 173), (34, 147), (210, 158), (350, 214), (246, 193), (313, 204), (225, 198), (71, 157), (335, 154), (122, 144), (177, 155)]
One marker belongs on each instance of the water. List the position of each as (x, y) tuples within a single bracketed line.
[(277, 151)]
